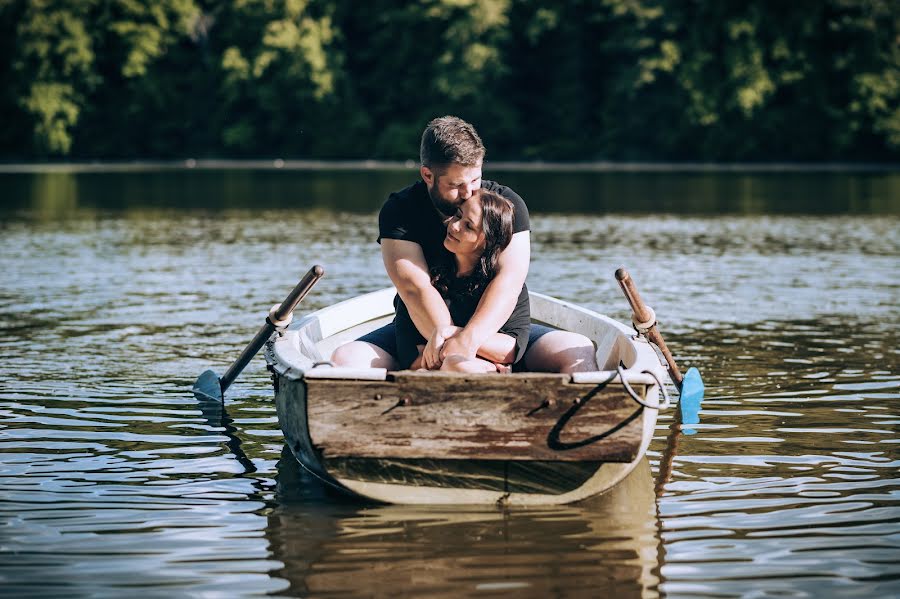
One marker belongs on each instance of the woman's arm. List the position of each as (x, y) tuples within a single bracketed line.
[(499, 299), (499, 348)]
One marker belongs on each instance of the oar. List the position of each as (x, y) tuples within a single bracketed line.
[(690, 385), (209, 385)]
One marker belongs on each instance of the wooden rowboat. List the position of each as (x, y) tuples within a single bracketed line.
[(446, 438)]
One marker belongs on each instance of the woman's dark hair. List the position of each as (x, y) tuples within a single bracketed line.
[(497, 223)]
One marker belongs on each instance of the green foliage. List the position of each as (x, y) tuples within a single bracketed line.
[(577, 80), (54, 69), (280, 73)]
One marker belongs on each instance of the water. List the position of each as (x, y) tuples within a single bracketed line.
[(116, 291)]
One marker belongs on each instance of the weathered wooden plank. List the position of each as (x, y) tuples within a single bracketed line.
[(502, 417)]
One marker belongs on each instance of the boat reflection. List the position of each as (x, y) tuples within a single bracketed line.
[(331, 545)]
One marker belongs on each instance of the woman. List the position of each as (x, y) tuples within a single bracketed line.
[(476, 236)]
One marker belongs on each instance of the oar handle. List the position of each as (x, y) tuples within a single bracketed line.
[(642, 314), (299, 292), (287, 306)]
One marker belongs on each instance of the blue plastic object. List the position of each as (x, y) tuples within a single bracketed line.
[(691, 397)]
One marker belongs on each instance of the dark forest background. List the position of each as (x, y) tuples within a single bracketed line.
[(579, 80)]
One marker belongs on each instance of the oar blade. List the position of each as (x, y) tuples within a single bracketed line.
[(208, 386), (692, 390)]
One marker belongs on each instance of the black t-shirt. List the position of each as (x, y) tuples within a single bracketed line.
[(409, 215)]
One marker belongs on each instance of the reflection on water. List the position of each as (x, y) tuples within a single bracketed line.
[(55, 194), (113, 479), (608, 544), (792, 475)]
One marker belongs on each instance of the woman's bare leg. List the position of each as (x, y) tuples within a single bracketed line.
[(561, 351), (457, 363), (360, 354)]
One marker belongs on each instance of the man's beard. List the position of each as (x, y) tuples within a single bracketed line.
[(443, 206)]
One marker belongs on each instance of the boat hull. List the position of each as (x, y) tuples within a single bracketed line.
[(436, 438)]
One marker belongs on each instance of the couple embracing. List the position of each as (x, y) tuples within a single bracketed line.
[(457, 248)]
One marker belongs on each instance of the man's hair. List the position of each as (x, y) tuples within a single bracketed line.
[(450, 140)]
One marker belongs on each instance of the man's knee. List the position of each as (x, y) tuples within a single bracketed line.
[(360, 354), (561, 351)]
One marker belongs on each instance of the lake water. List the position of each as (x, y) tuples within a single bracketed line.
[(118, 289)]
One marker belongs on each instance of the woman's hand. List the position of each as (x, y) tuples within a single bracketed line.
[(417, 363), (461, 345), (431, 355)]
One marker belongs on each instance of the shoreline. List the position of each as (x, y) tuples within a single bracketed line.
[(388, 165)]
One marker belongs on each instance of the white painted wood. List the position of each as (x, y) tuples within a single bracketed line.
[(340, 372), (313, 338), (602, 376)]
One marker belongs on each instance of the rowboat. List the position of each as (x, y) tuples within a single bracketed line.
[(417, 437)]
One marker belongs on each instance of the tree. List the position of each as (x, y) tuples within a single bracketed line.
[(678, 80)]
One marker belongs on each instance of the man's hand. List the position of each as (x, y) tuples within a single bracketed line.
[(431, 355)]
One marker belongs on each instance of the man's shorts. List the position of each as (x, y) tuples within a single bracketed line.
[(386, 337)]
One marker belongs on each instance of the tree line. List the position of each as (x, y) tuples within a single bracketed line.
[(576, 80)]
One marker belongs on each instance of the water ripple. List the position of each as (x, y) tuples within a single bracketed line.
[(115, 480)]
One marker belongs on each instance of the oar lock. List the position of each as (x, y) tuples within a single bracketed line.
[(643, 326), (280, 324)]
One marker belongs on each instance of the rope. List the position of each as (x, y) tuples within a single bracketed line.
[(621, 370), (553, 440), (666, 401), (555, 443)]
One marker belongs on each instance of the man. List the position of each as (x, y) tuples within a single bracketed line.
[(411, 234)]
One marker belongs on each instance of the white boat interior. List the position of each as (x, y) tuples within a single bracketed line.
[(305, 348)]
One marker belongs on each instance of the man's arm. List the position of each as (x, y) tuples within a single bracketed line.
[(499, 299), (406, 266)]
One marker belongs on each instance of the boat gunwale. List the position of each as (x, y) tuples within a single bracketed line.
[(285, 358)]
